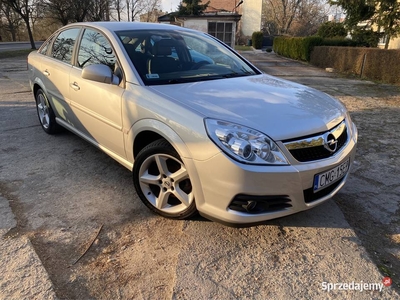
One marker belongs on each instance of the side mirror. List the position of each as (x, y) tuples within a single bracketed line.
[(100, 73)]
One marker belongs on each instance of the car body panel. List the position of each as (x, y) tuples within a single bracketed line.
[(145, 110), (55, 77), (97, 108), (113, 116), (240, 100)]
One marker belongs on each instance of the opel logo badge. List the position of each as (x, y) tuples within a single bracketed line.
[(167, 184), (330, 143)]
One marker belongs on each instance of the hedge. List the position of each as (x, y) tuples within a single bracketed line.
[(296, 47), (257, 39), (300, 47), (371, 63)]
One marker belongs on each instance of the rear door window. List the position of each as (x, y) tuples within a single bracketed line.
[(63, 45), (45, 47)]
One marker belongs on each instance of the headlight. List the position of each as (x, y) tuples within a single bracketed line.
[(244, 144)]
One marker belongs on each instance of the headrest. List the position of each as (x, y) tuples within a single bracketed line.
[(163, 47)]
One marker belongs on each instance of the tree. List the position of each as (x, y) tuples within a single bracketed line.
[(309, 16), (24, 9), (99, 10), (331, 30), (60, 10), (376, 15), (356, 10), (138, 7), (151, 6), (282, 13), (119, 6), (134, 8), (78, 10), (192, 8), (292, 17), (387, 19), (13, 20)]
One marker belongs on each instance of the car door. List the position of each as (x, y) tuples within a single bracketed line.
[(55, 69), (97, 105)]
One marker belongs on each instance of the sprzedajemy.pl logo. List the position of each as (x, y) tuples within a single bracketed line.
[(356, 286)]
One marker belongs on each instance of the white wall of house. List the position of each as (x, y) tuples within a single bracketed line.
[(394, 43), (202, 24), (251, 16), (197, 24)]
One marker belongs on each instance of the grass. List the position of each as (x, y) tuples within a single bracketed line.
[(243, 48), (15, 53)]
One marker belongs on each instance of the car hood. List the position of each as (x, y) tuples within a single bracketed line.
[(276, 107)]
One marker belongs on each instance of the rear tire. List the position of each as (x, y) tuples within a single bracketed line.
[(45, 113), (162, 181)]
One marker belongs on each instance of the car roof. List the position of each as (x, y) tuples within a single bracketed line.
[(119, 26)]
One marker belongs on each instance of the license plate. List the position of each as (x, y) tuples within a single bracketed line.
[(325, 179)]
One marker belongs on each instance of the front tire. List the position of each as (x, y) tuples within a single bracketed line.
[(45, 113), (162, 181)]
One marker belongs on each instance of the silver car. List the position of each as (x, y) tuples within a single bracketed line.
[(211, 135)]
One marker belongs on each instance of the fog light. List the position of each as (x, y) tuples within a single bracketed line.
[(251, 205)]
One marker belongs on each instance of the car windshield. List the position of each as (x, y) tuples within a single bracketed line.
[(178, 56)]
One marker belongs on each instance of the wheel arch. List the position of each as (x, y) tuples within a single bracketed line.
[(38, 84), (147, 131)]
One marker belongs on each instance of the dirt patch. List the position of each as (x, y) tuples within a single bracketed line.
[(374, 211)]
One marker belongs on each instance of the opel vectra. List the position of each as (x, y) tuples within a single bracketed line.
[(201, 128)]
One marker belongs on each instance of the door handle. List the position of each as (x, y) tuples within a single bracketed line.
[(46, 73), (75, 86)]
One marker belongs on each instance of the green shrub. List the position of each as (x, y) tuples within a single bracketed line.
[(296, 47), (257, 39), (365, 38)]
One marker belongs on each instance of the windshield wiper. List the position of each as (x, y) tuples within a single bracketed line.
[(194, 79), (235, 74), (174, 81)]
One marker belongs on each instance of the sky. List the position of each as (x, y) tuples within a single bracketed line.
[(166, 5)]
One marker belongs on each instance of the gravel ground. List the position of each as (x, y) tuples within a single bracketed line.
[(64, 194)]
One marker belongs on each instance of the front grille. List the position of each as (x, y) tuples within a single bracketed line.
[(318, 151), (259, 204), (310, 196)]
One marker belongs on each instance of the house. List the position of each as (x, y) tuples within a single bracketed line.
[(228, 20), (250, 11), (394, 43)]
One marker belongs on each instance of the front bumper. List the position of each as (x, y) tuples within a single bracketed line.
[(225, 182)]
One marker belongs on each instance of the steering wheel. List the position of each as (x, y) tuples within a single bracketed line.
[(199, 64)]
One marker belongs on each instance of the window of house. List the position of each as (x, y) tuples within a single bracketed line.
[(383, 39), (64, 45), (222, 31), (95, 49)]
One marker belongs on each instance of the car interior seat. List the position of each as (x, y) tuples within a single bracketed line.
[(162, 61)]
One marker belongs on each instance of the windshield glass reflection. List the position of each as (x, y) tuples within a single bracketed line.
[(174, 56)]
